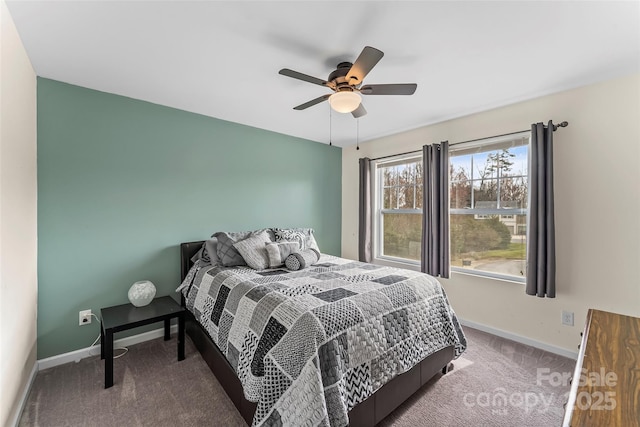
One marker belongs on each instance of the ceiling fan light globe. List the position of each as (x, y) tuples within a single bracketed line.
[(345, 102)]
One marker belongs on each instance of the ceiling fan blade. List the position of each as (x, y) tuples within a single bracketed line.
[(313, 102), (368, 58), (359, 112), (304, 77), (390, 89)]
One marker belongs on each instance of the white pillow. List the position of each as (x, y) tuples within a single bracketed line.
[(278, 252), (304, 236)]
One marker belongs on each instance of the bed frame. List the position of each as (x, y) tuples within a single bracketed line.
[(366, 414)]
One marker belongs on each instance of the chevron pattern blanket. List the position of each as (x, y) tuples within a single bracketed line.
[(309, 345)]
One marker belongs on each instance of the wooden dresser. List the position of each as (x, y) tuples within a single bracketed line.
[(605, 390)]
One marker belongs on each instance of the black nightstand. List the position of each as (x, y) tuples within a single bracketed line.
[(127, 316)]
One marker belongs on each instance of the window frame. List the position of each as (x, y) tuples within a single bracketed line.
[(479, 144), (379, 211), (377, 190)]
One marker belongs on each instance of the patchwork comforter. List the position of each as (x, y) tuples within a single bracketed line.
[(309, 345)]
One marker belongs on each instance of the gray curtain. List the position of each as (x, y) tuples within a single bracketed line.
[(435, 210), (541, 242), (364, 226)]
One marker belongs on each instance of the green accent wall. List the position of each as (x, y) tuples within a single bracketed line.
[(122, 182)]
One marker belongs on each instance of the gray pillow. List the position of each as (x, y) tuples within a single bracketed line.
[(198, 254), (208, 253), (278, 252), (253, 250), (227, 253), (303, 259), (236, 236), (211, 249)]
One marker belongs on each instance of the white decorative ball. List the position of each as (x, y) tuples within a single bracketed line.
[(141, 293)]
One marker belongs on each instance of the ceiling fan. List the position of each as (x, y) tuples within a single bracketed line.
[(346, 83)]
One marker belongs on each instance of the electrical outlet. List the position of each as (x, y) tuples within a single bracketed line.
[(84, 317), (567, 318)]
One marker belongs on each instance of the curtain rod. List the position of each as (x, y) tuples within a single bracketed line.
[(555, 128)]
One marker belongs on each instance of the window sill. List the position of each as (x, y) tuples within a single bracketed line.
[(487, 275), (415, 266), (397, 263)]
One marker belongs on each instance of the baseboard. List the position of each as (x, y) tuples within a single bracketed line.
[(77, 355), (519, 338), (15, 418)]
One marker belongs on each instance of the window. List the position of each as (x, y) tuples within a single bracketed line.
[(398, 221), (488, 207)]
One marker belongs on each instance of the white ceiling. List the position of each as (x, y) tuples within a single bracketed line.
[(221, 58)]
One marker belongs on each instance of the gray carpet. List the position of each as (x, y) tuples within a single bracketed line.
[(499, 388), (152, 389)]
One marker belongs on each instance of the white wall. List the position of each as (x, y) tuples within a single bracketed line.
[(18, 228), (597, 187)]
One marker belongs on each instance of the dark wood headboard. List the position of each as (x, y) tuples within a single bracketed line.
[(187, 250)]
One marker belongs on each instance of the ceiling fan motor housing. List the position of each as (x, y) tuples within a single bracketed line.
[(338, 76)]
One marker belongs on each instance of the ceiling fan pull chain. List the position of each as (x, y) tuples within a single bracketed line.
[(330, 127), (357, 134)]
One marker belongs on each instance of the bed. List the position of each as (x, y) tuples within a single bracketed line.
[(323, 366)]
